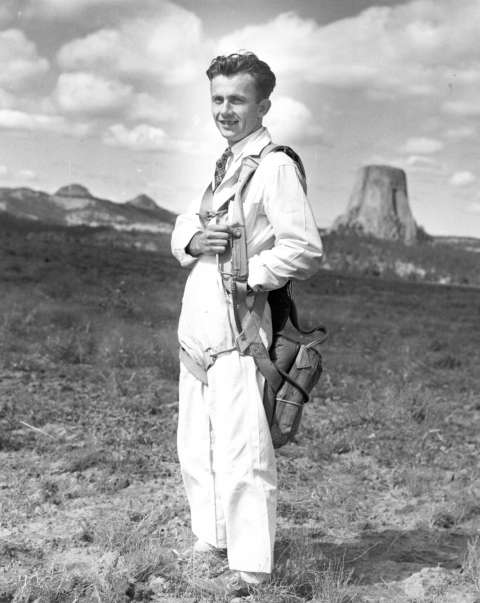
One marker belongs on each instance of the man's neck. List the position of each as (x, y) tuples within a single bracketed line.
[(243, 140)]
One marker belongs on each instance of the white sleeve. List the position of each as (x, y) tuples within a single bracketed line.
[(186, 226), (297, 250)]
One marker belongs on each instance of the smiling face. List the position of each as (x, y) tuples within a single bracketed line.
[(235, 107)]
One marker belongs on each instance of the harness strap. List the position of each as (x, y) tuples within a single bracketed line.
[(248, 316)]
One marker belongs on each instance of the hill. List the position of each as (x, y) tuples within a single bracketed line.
[(442, 260), (74, 205)]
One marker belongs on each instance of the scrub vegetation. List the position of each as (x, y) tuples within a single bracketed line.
[(379, 497)]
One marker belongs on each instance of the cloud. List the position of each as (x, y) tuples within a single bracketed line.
[(87, 93), (145, 138), (422, 146), (140, 138), (27, 174), (19, 62), (20, 120), (145, 107), (382, 48), (168, 48), (64, 9), (420, 160), (461, 132), (463, 108), (24, 174), (289, 120), (423, 164), (464, 178)]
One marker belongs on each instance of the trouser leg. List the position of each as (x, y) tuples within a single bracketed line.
[(196, 463), (245, 461)]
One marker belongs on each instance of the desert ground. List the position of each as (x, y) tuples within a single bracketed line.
[(379, 496)]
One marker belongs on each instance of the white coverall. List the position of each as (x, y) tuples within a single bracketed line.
[(225, 449)]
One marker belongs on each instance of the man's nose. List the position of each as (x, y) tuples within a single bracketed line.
[(225, 107)]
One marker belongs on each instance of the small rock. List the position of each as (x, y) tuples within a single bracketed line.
[(427, 582), (157, 584)]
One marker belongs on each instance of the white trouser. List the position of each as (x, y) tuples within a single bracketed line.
[(228, 462)]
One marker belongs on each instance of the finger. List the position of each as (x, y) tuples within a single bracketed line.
[(214, 250), (223, 244), (219, 228), (214, 236)]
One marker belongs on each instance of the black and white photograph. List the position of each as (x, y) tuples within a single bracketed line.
[(240, 301)]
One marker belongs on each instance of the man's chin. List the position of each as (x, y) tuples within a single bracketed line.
[(228, 133)]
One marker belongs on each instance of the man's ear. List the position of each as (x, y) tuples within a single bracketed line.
[(264, 106)]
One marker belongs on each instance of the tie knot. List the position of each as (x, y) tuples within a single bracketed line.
[(225, 156)]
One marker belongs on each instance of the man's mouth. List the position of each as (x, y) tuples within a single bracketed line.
[(227, 122)]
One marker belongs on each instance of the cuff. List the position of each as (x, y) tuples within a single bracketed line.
[(260, 278), (179, 249)]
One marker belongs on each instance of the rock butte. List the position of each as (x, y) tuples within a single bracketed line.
[(379, 206), (74, 190)]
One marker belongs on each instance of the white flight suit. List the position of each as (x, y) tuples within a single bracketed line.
[(225, 449)]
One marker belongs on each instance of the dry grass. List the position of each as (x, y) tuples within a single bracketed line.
[(471, 563), (382, 483)]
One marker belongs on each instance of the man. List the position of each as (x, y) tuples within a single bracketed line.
[(225, 448)]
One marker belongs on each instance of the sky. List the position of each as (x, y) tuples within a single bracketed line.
[(113, 94)]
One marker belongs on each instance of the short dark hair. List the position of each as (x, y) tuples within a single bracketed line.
[(245, 62)]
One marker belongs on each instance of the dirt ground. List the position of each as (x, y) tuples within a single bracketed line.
[(379, 496)]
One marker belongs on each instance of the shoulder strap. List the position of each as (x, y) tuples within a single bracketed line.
[(280, 148)]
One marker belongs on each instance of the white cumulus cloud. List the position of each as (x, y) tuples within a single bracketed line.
[(20, 120), (423, 164), (166, 48), (384, 47), (421, 160), (87, 93), (140, 138), (289, 120), (463, 107), (422, 146), (27, 174), (20, 63), (460, 132), (144, 137), (462, 178)]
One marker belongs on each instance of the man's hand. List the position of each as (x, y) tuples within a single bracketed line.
[(211, 241)]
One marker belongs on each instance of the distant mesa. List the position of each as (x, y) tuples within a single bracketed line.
[(143, 202), (74, 190), (379, 206), (74, 205)]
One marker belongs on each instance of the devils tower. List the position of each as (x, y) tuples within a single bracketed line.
[(379, 206)]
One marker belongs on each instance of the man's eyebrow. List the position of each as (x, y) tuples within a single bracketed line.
[(229, 96)]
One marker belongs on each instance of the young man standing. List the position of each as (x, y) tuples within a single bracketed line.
[(225, 448)]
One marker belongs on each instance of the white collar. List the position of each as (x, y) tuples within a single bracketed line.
[(251, 144)]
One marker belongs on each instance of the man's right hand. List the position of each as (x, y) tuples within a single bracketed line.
[(211, 241)]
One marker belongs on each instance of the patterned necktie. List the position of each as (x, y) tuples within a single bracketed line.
[(221, 167)]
